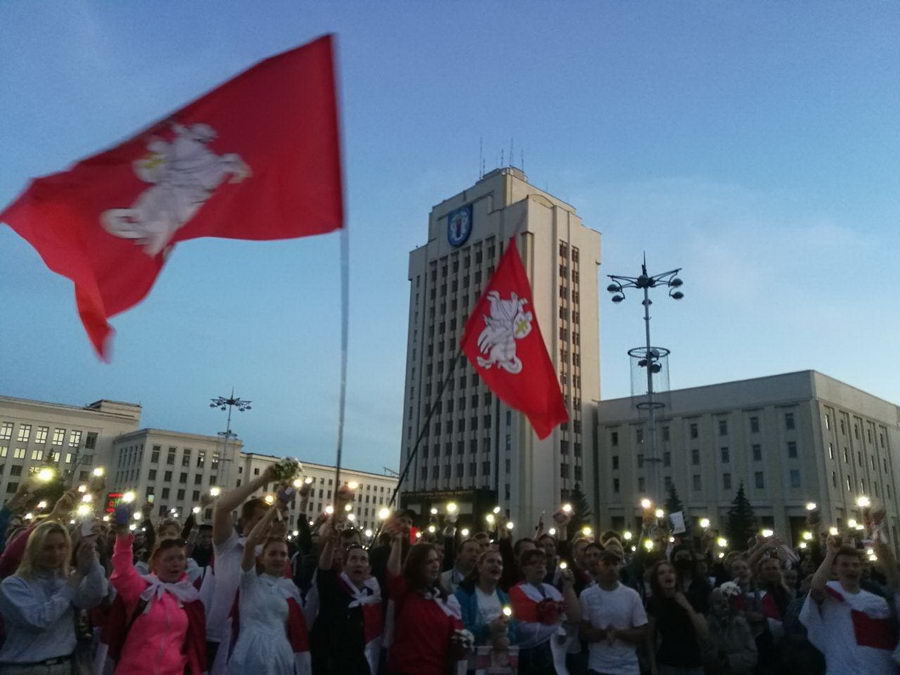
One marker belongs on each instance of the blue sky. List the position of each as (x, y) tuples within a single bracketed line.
[(756, 145)]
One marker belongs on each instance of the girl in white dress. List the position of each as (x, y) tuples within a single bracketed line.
[(272, 638)]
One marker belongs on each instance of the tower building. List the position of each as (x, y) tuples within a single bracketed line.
[(475, 450)]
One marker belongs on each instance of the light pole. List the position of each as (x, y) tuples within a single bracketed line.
[(228, 403), (649, 356)]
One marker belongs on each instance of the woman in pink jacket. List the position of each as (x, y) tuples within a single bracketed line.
[(160, 627)]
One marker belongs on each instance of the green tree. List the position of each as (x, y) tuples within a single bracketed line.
[(581, 511), (741, 524), (673, 501)]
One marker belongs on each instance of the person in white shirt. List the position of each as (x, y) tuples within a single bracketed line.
[(39, 601), (228, 549), (613, 621), (465, 561), (850, 626)]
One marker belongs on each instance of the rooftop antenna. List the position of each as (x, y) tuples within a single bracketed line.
[(501, 158), (511, 153), (481, 158)]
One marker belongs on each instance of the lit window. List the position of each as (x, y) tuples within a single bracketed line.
[(41, 435), (37, 454), (6, 431), (74, 439), (59, 435), (19, 453), (24, 433)]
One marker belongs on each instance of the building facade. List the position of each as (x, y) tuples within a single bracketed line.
[(475, 450), (790, 439), (373, 491), (74, 439)]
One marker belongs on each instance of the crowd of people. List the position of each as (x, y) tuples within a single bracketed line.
[(252, 592)]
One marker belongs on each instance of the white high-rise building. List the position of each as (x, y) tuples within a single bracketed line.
[(475, 450)]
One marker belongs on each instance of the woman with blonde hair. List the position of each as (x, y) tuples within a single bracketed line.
[(38, 602)]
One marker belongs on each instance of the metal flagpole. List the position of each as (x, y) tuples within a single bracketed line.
[(345, 325)]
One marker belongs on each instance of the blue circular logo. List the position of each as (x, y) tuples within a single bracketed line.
[(459, 225)]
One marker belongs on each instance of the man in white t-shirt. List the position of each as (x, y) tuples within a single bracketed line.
[(613, 621), (850, 626), (228, 548)]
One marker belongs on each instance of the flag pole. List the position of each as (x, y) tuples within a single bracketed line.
[(345, 324), (424, 426)]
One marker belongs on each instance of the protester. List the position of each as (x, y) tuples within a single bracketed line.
[(732, 647), (39, 602), (347, 635), (674, 625), (482, 603), (613, 620), (161, 628), (426, 620), (849, 625), (271, 631), (463, 565), (541, 611), (228, 549)]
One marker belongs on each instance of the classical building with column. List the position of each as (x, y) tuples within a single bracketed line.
[(475, 450)]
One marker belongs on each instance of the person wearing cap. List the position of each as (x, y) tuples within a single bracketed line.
[(613, 620)]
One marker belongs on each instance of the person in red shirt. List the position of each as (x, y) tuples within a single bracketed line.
[(426, 621)]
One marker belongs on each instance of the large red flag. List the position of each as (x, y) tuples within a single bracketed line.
[(503, 342), (256, 158)]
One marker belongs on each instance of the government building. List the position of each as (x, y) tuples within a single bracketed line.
[(475, 451)]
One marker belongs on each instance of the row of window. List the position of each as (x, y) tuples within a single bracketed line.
[(23, 435), (843, 427), (759, 481), (564, 251), (694, 429), (171, 456)]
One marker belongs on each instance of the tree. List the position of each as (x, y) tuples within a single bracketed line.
[(741, 524), (581, 511), (673, 501)]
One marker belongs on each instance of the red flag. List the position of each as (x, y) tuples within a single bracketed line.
[(256, 158), (503, 342)]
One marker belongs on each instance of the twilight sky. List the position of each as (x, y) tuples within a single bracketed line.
[(756, 145)]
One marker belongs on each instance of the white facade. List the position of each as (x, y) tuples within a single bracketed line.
[(790, 439), (75, 439), (475, 450), (373, 491)]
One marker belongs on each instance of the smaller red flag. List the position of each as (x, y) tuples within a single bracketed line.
[(503, 342)]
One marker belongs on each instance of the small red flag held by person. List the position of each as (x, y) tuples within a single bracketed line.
[(256, 158), (503, 342)]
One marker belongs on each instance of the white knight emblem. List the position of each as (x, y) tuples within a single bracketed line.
[(184, 173), (507, 323)]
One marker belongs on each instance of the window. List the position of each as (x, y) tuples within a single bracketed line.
[(789, 421), (667, 482), (827, 421), (846, 456), (725, 454), (182, 478), (37, 454), (830, 451), (614, 438), (154, 456), (180, 495), (642, 484), (196, 496), (201, 459), (792, 449), (639, 435), (198, 479), (213, 478), (69, 457), (833, 479), (24, 433), (41, 435), (563, 470), (165, 493), (697, 484), (726, 481), (186, 457), (723, 427), (15, 470), (19, 453), (694, 430), (795, 478), (757, 452), (152, 475), (615, 462), (667, 458), (4, 450), (615, 485), (754, 425), (695, 456), (665, 433), (849, 486), (91, 441), (640, 461), (759, 479), (12, 487), (74, 439), (6, 431), (167, 476), (59, 435)]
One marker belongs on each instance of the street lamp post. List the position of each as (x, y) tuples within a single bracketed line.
[(649, 356), (228, 403)]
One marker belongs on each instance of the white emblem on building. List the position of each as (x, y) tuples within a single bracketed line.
[(184, 173), (507, 323)]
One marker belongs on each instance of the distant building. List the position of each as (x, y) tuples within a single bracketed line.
[(790, 439), (173, 469), (476, 451)]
